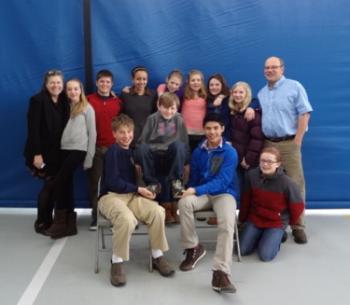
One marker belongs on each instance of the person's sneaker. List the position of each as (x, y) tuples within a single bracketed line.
[(118, 277), (299, 236), (284, 237), (193, 255), (154, 188), (221, 282), (177, 188), (164, 268), (93, 224)]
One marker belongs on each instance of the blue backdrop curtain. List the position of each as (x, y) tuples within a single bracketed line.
[(230, 36)]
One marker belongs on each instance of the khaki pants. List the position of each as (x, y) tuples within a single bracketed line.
[(124, 211), (292, 163), (225, 208)]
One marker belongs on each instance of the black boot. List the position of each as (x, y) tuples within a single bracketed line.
[(59, 226), (45, 208), (71, 224)]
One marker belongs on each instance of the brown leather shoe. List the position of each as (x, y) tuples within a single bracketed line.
[(164, 268), (221, 282), (169, 219), (118, 277), (174, 212), (299, 236)]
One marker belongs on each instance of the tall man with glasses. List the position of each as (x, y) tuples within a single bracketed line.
[(285, 116)]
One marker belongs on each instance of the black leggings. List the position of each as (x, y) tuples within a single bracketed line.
[(46, 201), (64, 188)]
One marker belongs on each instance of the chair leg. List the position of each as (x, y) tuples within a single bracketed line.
[(103, 238), (239, 257), (150, 260), (97, 249)]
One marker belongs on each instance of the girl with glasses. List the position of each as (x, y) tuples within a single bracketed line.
[(270, 202)]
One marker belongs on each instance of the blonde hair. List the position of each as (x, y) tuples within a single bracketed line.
[(79, 107), (189, 94), (240, 107)]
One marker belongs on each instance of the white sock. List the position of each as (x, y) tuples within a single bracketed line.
[(116, 259), (157, 253)]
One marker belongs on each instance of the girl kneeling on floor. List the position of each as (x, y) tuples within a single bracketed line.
[(270, 202)]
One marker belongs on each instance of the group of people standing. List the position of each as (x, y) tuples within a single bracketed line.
[(217, 133)]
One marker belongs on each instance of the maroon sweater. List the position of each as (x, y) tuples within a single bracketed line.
[(247, 137), (106, 108), (270, 201)]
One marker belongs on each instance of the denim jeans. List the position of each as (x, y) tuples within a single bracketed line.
[(266, 241), (173, 159)]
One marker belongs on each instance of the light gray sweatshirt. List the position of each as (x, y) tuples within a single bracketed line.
[(80, 134)]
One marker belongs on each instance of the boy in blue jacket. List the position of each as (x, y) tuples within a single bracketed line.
[(212, 185), (124, 204)]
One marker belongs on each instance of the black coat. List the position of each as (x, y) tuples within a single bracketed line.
[(46, 121)]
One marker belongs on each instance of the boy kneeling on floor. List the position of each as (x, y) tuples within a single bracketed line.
[(124, 204)]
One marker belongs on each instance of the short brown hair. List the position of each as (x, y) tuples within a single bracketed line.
[(169, 99), (104, 73), (122, 120), (273, 151)]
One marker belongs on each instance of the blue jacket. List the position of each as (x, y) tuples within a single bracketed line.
[(213, 172)]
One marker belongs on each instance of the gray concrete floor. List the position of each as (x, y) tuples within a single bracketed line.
[(315, 273)]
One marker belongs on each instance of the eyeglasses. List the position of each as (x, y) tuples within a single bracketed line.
[(270, 162), (272, 67)]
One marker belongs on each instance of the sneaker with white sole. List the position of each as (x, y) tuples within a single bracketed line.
[(193, 256)]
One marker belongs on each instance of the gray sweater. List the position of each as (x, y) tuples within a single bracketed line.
[(159, 133), (80, 134)]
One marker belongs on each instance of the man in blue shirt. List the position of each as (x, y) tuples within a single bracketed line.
[(285, 116), (212, 184)]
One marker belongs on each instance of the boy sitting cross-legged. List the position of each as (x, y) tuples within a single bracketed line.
[(164, 144), (124, 204)]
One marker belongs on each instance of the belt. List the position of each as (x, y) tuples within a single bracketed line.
[(280, 139)]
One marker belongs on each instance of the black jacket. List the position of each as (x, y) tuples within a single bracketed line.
[(46, 121)]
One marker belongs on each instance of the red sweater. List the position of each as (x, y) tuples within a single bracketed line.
[(105, 110), (270, 202)]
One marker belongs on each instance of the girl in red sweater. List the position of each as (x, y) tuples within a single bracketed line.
[(270, 202)]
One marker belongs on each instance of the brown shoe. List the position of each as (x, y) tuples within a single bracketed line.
[(221, 282), (169, 219), (174, 212), (193, 256), (213, 221), (299, 236), (164, 268), (118, 277)]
